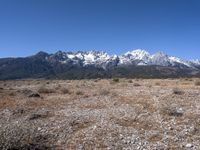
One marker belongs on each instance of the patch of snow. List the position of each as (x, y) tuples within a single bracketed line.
[(161, 59), (138, 54), (71, 56), (178, 60), (196, 62)]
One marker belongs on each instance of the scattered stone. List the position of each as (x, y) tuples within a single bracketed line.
[(34, 95), (19, 111), (35, 116), (189, 145)]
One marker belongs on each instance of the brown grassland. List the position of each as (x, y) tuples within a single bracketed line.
[(144, 114)]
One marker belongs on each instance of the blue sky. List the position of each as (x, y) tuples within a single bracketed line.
[(115, 26)]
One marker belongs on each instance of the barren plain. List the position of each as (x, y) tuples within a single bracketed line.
[(101, 114)]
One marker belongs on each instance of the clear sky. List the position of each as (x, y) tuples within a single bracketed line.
[(114, 26)]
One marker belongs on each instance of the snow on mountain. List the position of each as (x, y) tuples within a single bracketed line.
[(138, 54), (135, 57), (160, 59), (195, 62), (141, 56), (180, 61), (93, 57)]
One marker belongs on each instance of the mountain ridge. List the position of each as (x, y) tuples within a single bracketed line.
[(93, 64), (145, 58)]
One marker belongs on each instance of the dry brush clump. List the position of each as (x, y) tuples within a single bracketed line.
[(26, 91), (188, 79), (136, 84), (104, 92), (29, 93), (65, 91), (46, 90), (130, 81), (197, 83), (172, 111), (79, 92), (115, 80), (157, 84), (178, 91)]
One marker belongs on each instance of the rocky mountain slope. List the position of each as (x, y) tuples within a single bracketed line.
[(96, 64)]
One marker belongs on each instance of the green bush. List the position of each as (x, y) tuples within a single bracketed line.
[(115, 79)]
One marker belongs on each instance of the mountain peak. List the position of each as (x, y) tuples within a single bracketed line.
[(41, 54), (137, 52), (160, 54)]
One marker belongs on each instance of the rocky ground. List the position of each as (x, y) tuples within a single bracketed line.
[(99, 114)]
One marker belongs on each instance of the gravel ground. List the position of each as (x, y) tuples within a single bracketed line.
[(100, 114)]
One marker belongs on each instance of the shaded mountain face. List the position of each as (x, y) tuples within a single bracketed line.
[(95, 64)]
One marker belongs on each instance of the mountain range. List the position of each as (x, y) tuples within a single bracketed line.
[(97, 64)]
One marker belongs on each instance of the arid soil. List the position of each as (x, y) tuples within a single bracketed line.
[(137, 114)]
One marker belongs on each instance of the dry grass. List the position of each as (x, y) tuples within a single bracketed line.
[(100, 114), (7, 103)]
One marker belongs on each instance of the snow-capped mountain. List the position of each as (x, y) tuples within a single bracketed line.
[(96, 58), (139, 57), (93, 64), (136, 57)]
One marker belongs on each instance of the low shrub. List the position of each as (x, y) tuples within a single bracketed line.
[(46, 90), (115, 79), (136, 84), (65, 91), (177, 91), (130, 81), (104, 92), (197, 83), (79, 93), (172, 111), (157, 83)]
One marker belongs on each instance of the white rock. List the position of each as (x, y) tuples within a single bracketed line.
[(189, 145), (39, 128)]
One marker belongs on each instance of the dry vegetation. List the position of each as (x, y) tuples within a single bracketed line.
[(100, 114)]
